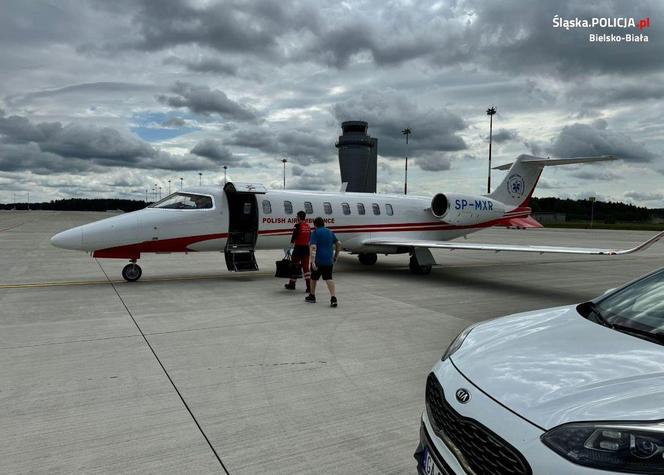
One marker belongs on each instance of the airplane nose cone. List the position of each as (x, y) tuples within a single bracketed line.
[(69, 239)]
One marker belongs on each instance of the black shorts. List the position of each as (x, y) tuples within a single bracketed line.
[(324, 271), (300, 251)]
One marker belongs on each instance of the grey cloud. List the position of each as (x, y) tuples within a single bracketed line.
[(101, 143), (605, 91), (388, 113), (204, 65), (52, 147), (299, 146), (518, 35), (578, 140), (236, 27), (433, 163), (213, 149), (86, 89), (548, 184), (504, 135), (303, 179), (597, 175), (174, 123), (18, 129), (206, 101), (644, 196)]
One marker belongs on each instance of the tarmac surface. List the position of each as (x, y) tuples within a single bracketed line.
[(197, 370)]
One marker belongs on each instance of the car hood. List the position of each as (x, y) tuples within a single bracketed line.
[(554, 366)]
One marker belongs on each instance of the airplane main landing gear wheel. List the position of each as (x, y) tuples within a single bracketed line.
[(416, 268), (132, 272), (368, 259)]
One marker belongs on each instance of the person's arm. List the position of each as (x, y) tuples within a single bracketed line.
[(312, 250), (296, 231), (337, 248)]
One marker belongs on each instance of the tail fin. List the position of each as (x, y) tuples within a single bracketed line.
[(518, 186)]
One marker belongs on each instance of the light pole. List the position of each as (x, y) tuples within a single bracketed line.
[(155, 191), (169, 187), (146, 195), (406, 132), (284, 161), (225, 169), (160, 192), (490, 112), (592, 210), (181, 183), (200, 178)]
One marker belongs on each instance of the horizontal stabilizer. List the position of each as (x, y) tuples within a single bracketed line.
[(379, 242), (548, 162)]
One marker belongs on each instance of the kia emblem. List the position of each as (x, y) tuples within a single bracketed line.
[(462, 395)]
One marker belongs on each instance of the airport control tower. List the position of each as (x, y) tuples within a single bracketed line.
[(358, 157)]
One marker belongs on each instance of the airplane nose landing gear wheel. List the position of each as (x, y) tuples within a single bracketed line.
[(132, 272)]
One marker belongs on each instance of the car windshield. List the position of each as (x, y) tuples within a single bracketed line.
[(184, 201), (638, 308)]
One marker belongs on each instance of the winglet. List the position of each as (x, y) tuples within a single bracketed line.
[(642, 246)]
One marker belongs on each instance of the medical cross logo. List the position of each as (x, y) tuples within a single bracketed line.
[(515, 186)]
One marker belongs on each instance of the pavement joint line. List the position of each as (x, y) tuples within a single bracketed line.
[(68, 342), (66, 283), (154, 353), (17, 225)]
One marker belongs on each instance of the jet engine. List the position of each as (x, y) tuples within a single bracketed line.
[(465, 210)]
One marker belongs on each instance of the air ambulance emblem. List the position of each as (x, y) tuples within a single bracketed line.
[(515, 186)]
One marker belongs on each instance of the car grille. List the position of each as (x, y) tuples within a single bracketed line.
[(483, 451)]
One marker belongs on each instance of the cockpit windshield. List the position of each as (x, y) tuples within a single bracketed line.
[(184, 201)]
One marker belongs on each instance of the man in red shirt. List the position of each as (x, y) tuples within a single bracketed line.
[(300, 255)]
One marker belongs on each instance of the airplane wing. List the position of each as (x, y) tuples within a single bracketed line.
[(387, 242)]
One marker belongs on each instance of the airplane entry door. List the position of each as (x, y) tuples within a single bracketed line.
[(242, 226)]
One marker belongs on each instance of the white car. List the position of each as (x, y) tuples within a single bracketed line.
[(569, 390)]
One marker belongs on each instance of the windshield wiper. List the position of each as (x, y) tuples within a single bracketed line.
[(646, 335), (597, 315)]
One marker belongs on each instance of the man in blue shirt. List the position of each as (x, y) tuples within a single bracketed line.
[(325, 249)]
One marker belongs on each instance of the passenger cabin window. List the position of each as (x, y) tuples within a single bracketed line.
[(288, 207), (376, 209), (184, 201), (327, 206), (267, 207), (246, 209), (389, 210), (360, 208), (308, 207), (346, 208)]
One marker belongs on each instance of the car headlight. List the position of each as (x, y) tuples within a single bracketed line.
[(620, 447), (457, 342)]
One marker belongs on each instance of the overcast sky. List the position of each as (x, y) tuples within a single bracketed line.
[(104, 98)]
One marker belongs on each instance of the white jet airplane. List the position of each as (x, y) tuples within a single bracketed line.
[(241, 218)]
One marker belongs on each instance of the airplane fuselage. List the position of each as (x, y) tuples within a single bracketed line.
[(354, 217)]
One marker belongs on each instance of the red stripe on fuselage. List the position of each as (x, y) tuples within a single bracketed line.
[(133, 251), (181, 244)]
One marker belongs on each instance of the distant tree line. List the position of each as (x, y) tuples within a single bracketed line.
[(608, 212)]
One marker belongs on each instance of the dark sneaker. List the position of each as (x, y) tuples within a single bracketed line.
[(333, 302), (290, 286), (310, 298)]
